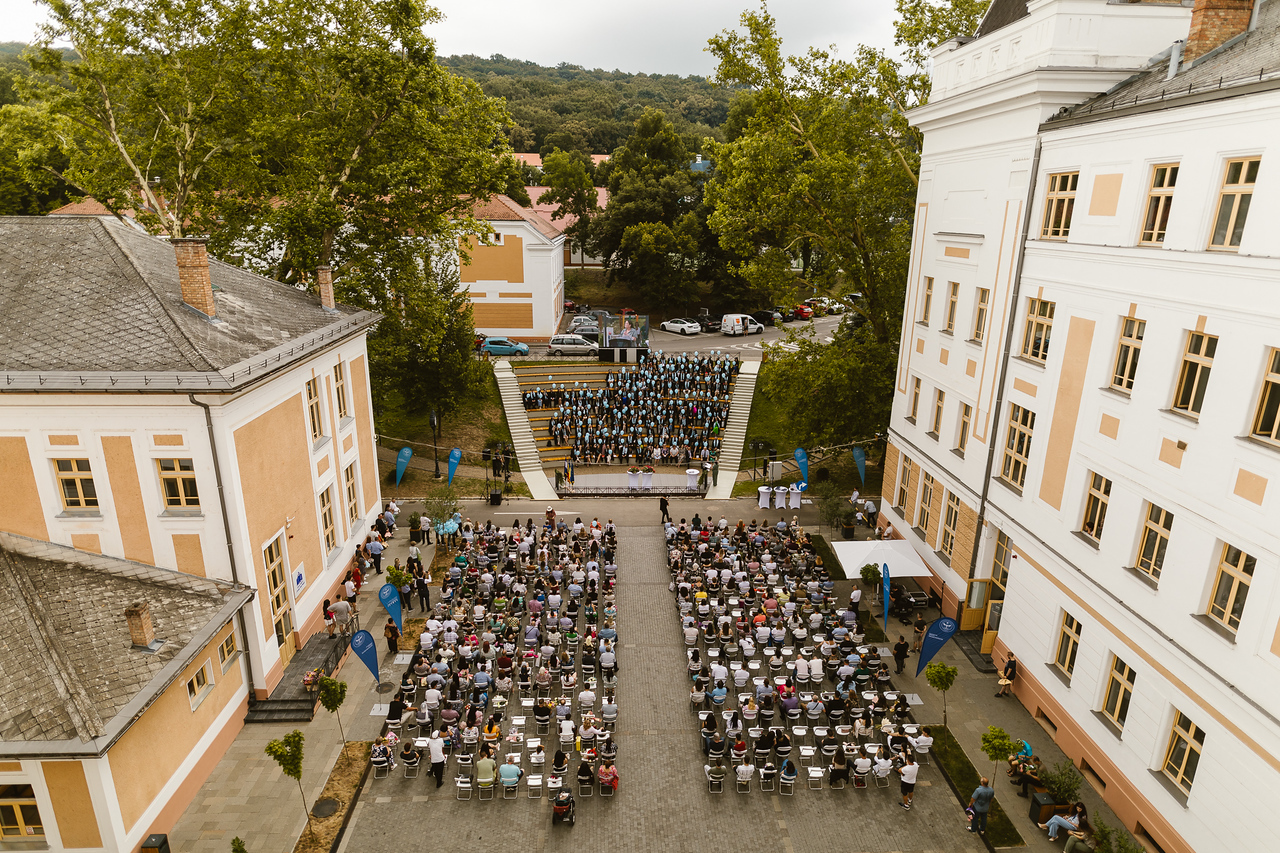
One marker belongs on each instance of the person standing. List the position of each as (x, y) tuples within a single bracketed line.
[(908, 771), (392, 633), (1010, 672), (920, 628), (665, 506), (375, 549), (900, 650), (423, 585), (980, 802), (435, 746)]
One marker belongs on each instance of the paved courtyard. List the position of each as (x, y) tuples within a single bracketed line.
[(662, 801)]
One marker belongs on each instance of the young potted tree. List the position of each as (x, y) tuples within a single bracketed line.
[(415, 527), (1062, 787), (848, 524)]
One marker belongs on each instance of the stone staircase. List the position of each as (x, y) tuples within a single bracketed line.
[(735, 433), (280, 711), (521, 433)]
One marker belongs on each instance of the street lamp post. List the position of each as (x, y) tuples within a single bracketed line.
[(435, 445)]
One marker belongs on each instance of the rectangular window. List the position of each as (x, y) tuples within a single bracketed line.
[(1017, 448), (313, 409), (928, 300), (1059, 202), (966, 417), (1095, 506), (278, 590), (1068, 644), (1233, 204), (1266, 424), (1155, 540), (1119, 691), (952, 299), (915, 399), (904, 477), (19, 816), (1235, 573), (939, 399), (227, 650), (1000, 563), (950, 521), (353, 499), (926, 502), (340, 388), (1193, 379), (1159, 202), (980, 313), (75, 484), (178, 482), (1130, 347), (326, 520), (1035, 340), (199, 684), (1183, 756)]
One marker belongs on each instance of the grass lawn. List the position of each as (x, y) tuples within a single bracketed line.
[(963, 778), (479, 423), (421, 483)]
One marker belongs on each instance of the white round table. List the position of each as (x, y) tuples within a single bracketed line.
[(780, 497), (763, 491), (692, 476)]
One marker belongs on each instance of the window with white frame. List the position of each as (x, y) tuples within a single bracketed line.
[(1155, 541), (1068, 644), (1017, 446), (1132, 331), (982, 297), (1231, 586)]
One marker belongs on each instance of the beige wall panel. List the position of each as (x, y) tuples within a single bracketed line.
[(189, 553), (126, 491), (64, 440), (1109, 426), (1025, 387), (1169, 453), (1105, 197), (20, 510), (495, 263), (72, 805), (364, 432), (168, 440), (1066, 411), (86, 542), (494, 315), (1251, 486)]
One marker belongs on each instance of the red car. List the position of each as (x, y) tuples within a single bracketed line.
[(803, 312)]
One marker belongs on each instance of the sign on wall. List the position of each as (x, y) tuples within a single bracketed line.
[(299, 581)]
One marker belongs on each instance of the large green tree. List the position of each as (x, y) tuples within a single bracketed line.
[(569, 185), (647, 235)]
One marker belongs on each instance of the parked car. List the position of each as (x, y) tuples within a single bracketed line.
[(681, 326), (786, 314), (591, 332), (767, 318), (480, 339), (803, 312), (823, 305), (570, 306), (710, 322), (504, 346), (740, 324), (581, 320), (571, 345)]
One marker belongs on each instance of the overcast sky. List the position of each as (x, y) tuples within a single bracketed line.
[(653, 36)]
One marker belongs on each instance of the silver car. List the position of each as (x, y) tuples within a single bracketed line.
[(571, 345)]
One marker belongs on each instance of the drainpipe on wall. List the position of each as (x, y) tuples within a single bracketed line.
[(1004, 359), (226, 529)]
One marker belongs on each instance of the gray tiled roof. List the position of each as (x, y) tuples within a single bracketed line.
[(1225, 72), (1001, 13), (68, 672), (83, 294)]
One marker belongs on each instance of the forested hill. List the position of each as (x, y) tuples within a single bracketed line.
[(570, 107)]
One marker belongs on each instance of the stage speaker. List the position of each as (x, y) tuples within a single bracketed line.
[(495, 498), (606, 355)]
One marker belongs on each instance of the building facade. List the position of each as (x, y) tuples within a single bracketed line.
[(514, 277), (166, 409), (1086, 470)]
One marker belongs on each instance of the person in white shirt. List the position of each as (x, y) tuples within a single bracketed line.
[(435, 747), (745, 771), (908, 771), (924, 741)]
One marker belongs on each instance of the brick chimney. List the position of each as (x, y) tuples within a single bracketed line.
[(324, 279), (1214, 22), (138, 615), (193, 274)]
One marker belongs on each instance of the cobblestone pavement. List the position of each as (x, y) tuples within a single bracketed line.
[(662, 801)]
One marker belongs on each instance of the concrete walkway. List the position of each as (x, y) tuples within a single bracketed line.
[(662, 795)]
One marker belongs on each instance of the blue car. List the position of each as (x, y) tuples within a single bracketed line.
[(504, 346)]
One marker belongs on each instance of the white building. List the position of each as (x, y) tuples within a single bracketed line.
[(1104, 519)]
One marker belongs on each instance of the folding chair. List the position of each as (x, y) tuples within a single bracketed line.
[(411, 767), (744, 785), (768, 780), (921, 754), (807, 754), (534, 785), (714, 786), (815, 777), (509, 791), (586, 789), (882, 778), (463, 784), (485, 786), (381, 769), (787, 786), (606, 790)]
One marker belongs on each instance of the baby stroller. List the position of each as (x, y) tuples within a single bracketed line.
[(562, 808)]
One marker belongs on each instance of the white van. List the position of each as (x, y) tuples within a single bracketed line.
[(740, 324)]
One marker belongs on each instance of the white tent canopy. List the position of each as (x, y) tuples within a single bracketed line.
[(903, 560)]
